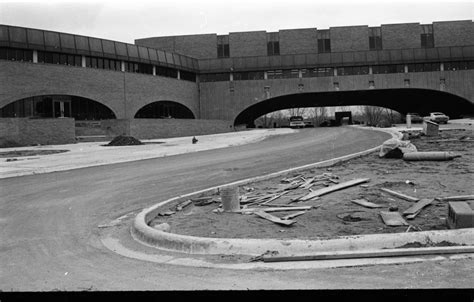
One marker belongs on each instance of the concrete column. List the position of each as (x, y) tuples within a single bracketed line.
[(35, 56), (83, 61), (179, 75), (154, 70), (370, 70), (265, 75), (122, 66), (406, 68), (300, 73), (441, 66), (335, 72), (231, 77)]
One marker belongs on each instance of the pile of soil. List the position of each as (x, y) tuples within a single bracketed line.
[(334, 214), (124, 140)]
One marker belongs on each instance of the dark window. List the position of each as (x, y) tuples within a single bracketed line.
[(70, 60), (63, 59), (273, 44), (94, 62), (3, 54), (427, 38), (166, 72), (375, 38), (144, 68), (223, 46), (214, 77), (393, 68), (78, 60), (423, 67), (318, 72), (248, 75), (460, 65), (56, 58), (106, 64), (188, 76), (353, 70), (324, 41), (48, 57)]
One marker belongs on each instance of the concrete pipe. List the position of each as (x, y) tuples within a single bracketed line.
[(433, 155)]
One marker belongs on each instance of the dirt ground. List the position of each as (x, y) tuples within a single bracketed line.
[(22, 153), (334, 214)]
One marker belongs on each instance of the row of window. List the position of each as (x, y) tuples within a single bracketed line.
[(92, 62), (324, 41), (341, 71)]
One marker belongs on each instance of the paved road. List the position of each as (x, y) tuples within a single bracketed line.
[(49, 236)]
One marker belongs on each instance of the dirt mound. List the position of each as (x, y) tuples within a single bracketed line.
[(124, 140)]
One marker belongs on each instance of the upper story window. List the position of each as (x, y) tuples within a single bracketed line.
[(427, 39), (273, 44), (223, 46), (375, 38), (324, 41)]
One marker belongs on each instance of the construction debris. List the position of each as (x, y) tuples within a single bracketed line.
[(456, 198), (124, 140), (277, 209), (367, 204), (400, 195), (392, 218), (184, 204), (290, 216), (431, 155), (166, 213), (274, 219), (333, 188), (414, 210)]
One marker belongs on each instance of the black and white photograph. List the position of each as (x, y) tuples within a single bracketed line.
[(205, 149)]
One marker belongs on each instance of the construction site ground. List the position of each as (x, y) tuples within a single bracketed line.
[(334, 214)]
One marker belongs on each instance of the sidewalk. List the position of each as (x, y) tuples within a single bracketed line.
[(90, 154)]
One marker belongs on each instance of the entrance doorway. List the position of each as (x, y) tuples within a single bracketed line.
[(62, 108)]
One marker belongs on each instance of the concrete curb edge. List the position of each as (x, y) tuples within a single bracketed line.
[(205, 245)]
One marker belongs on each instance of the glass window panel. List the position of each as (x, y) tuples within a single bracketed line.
[(78, 60), (18, 35), (51, 39), (108, 47), (82, 43), (63, 59), (67, 41), (55, 58), (35, 37), (95, 44)]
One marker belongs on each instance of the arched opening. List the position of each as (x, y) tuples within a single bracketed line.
[(165, 109), (422, 101), (56, 106)]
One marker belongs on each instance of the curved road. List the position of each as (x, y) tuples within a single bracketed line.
[(49, 238)]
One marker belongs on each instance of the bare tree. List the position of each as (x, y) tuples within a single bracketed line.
[(373, 115), (318, 115), (297, 111)]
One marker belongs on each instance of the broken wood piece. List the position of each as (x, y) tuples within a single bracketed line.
[(400, 195), (367, 204), (411, 216), (333, 188), (290, 216), (166, 213), (373, 253), (274, 219), (182, 205), (416, 208), (393, 218), (456, 198), (275, 197), (276, 209), (333, 181)]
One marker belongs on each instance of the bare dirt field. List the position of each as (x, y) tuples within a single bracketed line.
[(334, 214)]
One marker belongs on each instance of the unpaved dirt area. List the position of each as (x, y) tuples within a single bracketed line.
[(22, 153), (334, 214)]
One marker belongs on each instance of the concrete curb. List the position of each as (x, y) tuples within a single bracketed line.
[(205, 245)]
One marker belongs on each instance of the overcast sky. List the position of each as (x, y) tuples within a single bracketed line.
[(128, 20)]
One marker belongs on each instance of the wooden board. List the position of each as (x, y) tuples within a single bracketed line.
[(274, 218), (277, 209), (373, 254), (333, 188), (392, 218), (457, 198), (416, 208), (367, 204), (290, 216), (400, 195)]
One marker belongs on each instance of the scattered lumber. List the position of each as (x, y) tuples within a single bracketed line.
[(277, 209), (411, 212), (367, 204), (274, 219), (400, 195), (182, 205), (333, 188), (372, 254), (276, 196), (456, 198), (392, 218), (290, 216)]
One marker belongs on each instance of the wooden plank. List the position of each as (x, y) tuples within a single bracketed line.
[(457, 198), (278, 209), (333, 188), (416, 208), (182, 205), (373, 254), (400, 195), (275, 197), (392, 218), (367, 204), (274, 219), (290, 216)]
